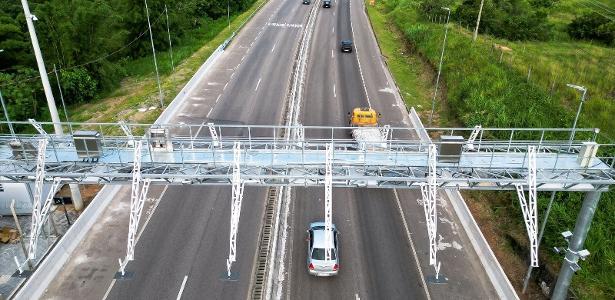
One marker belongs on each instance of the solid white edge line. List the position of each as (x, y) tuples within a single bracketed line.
[(416, 258), (181, 290), (334, 94), (210, 110), (357, 54), (274, 46), (219, 97), (139, 235)]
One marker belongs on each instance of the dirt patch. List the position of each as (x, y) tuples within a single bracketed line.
[(88, 192), (507, 242)]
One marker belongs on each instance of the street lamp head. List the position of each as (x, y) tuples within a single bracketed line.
[(446, 8), (577, 87), (33, 17)]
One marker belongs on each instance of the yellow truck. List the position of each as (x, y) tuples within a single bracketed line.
[(367, 134)]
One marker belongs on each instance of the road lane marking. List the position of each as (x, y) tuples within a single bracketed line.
[(181, 290), (331, 53), (139, 235), (356, 50), (274, 46), (210, 110), (332, 29), (356, 297), (232, 75), (334, 94), (224, 88), (244, 57), (257, 84), (218, 98), (416, 258)]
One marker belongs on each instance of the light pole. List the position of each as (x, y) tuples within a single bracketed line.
[(53, 111), (228, 12), (151, 38), (480, 12), (435, 94), (574, 126)]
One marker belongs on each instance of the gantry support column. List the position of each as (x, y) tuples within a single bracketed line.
[(584, 219)]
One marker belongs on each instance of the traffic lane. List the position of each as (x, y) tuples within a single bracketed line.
[(321, 104), (376, 261), (308, 206), (207, 92), (460, 263), (243, 63), (188, 228), (207, 278)]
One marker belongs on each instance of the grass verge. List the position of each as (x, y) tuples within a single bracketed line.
[(482, 89)]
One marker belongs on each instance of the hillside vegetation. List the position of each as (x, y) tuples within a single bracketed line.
[(97, 44), (485, 83)]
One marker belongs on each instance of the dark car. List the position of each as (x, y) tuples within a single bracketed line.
[(346, 46), (326, 3), (306, 1)]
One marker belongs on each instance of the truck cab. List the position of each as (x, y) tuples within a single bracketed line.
[(363, 117)]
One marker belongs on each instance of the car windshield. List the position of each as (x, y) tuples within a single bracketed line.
[(319, 254)]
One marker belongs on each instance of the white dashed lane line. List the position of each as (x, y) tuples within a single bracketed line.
[(257, 84)]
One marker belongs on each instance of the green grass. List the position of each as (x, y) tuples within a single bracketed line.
[(408, 70), (140, 90), (482, 90)]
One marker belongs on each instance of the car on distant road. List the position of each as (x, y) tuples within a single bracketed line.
[(306, 1), (346, 46), (326, 3), (316, 262)]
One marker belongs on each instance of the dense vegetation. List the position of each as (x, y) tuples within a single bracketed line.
[(593, 26), (484, 85), (92, 44)]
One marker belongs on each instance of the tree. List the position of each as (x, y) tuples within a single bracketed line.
[(593, 26)]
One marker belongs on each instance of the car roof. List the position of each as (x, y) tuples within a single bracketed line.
[(319, 234), (346, 42), (319, 239)]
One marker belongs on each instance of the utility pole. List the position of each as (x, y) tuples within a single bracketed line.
[(480, 12), (53, 111), (574, 125), (228, 12), (575, 245), (55, 118), (169, 35), (151, 38), (435, 94), (6, 116)]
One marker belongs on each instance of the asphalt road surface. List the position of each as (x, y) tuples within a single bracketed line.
[(375, 259), (184, 247)]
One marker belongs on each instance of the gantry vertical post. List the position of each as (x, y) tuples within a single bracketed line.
[(328, 201), (137, 200), (575, 245), (529, 206), (430, 194), (237, 197)]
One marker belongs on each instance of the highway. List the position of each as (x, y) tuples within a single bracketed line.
[(187, 237), (375, 260), (183, 248)]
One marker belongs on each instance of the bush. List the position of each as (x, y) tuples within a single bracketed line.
[(510, 19), (77, 86), (593, 26)]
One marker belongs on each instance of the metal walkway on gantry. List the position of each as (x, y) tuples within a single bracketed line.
[(201, 154)]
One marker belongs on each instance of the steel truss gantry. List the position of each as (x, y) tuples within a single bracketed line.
[(529, 206), (269, 160), (328, 201), (137, 200), (237, 197), (430, 204)]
